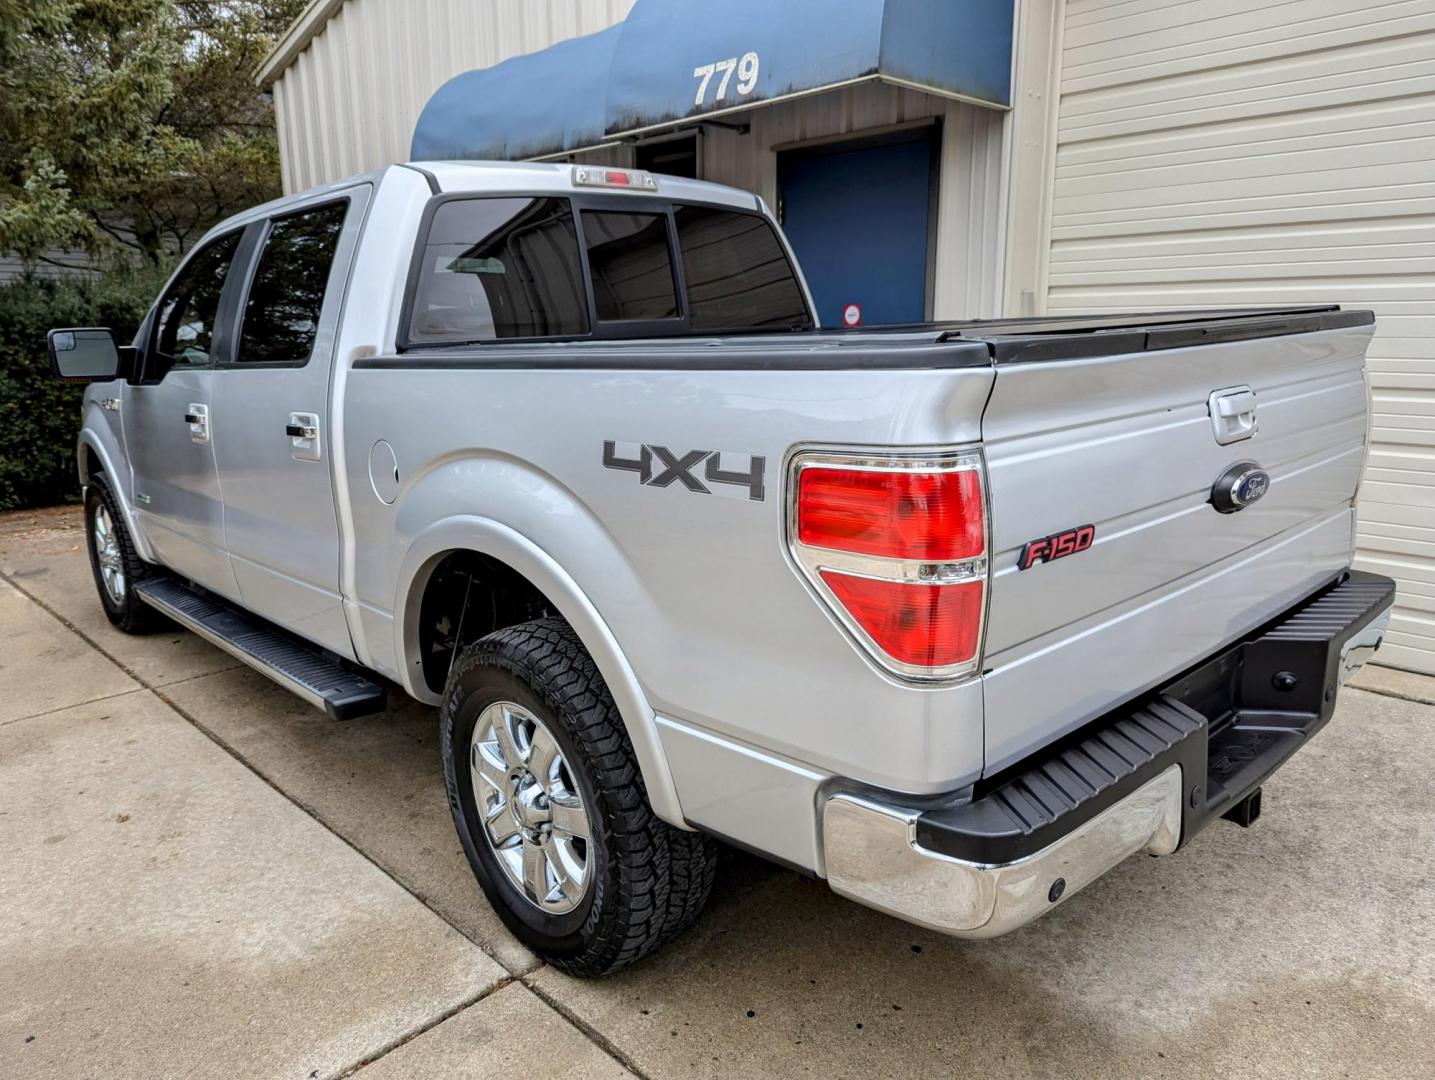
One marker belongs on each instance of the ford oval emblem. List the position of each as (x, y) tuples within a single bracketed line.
[(1239, 486)]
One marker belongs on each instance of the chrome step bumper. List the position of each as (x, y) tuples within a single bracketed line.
[(1146, 777), (873, 857)]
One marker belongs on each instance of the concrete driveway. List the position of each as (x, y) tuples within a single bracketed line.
[(201, 876)]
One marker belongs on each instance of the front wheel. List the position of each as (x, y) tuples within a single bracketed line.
[(114, 562), (550, 807)]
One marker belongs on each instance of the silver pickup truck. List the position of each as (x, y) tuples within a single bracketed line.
[(955, 616)]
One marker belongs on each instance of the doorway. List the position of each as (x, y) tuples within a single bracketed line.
[(860, 216), (672, 157)]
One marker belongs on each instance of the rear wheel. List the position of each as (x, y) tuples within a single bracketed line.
[(116, 566), (550, 807)]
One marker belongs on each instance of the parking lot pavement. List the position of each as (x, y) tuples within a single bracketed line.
[(43, 552), (1304, 946), (509, 1033), (46, 666), (376, 781), (169, 913)]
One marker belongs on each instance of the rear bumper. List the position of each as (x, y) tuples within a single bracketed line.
[(1146, 777)]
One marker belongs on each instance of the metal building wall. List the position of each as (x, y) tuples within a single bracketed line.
[(1247, 152), (348, 103)]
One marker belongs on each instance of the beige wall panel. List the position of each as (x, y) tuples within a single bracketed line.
[(1243, 152)]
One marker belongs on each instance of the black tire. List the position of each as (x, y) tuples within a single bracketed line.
[(692, 867), (128, 612), (647, 880)]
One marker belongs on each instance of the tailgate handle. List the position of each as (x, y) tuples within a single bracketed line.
[(1233, 413)]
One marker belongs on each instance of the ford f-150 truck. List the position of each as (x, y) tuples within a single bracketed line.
[(955, 616)]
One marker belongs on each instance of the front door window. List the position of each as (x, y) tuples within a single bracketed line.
[(184, 331)]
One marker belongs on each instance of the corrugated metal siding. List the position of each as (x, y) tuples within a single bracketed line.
[(967, 273), (1267, 152), (350, 100)]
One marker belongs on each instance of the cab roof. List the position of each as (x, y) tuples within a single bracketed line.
[(532, 177)]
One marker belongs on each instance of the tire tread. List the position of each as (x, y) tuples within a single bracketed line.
[(135, 616), (663, 874)]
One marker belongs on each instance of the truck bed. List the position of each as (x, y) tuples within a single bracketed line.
[(1013, 341), (907, 347)]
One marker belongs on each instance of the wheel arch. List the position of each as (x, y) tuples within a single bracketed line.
[(516, 554), (92, 455)]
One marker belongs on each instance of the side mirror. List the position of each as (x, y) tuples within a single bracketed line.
[(88, 355)]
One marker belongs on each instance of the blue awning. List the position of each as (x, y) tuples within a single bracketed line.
[(526, 107), (676, 61), (759, 50)]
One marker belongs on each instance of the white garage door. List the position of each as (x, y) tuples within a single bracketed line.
[(1250, 152)]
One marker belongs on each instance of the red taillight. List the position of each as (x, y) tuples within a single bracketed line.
[(921, 625), (933, 517), (897, 548)]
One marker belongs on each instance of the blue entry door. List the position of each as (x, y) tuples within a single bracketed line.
[(859, 221)]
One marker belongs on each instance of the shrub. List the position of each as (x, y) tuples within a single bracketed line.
[(39, 416)]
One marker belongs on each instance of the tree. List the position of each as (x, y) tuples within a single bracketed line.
[(132, 123)]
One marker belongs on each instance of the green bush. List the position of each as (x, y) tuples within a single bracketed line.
[(39, 416)]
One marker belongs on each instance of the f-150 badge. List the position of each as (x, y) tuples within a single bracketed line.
[(1056, 546), (657, 466)]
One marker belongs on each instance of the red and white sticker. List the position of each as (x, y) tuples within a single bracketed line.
[(852, 315)]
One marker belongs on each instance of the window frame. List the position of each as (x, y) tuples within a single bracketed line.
[(261, 230), (599, 329)]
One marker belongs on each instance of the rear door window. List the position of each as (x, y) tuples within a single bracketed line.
[(738, 276), (495, 268), (631, 264), (286, 297)]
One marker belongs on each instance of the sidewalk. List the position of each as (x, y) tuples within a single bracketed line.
[(201, 876)]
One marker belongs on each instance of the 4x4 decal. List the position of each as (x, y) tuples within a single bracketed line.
[(657, 466)]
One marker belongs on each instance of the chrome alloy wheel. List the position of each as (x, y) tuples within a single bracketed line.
[(532, 814), (107, 553)]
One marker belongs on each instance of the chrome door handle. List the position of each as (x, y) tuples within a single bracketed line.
[(303, 432), (197, 417)]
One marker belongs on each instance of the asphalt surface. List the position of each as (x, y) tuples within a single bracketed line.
[(201, 876)]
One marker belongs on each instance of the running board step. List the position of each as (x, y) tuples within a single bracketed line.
[(318, 680)]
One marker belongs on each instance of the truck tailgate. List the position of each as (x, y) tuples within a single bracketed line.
[(1125, 442)]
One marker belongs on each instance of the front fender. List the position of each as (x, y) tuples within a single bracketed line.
[(498, 541), (100, 442)]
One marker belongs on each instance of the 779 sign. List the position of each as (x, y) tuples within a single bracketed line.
[(747, 67)]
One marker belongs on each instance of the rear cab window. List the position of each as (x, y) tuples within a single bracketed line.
[(631, 263), (737, 273), (497, 268), (492, 268)]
